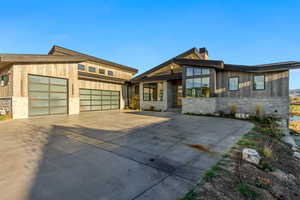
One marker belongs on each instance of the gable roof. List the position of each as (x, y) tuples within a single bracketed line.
[(192, 50), (65, 51)]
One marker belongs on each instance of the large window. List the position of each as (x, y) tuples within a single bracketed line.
[(259, 82), (194, 71), (233, 83), (196, 87), (110, 73), (153, 92), (101, 71)]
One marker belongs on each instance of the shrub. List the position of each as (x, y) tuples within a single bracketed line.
[(210, 174), (267, 151), (265, 166), (246, 143), (245, 190)]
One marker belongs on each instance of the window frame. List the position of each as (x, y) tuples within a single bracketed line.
[(81, 65), (238, 83), (110, 73), (101, 70), (91, 67), (195, 89), (153, 91), (192, 69), (254, 85)]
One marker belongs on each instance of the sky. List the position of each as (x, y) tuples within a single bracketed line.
[(145, 33)]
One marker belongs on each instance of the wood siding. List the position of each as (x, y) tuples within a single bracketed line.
[(117, 73), (276, 84), (21, 71), (7, 90)]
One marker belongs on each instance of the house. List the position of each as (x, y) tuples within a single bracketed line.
[(295, 93), (69, 82), (195, 84), (61, 82)]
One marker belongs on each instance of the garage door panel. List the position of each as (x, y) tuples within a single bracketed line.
[(85, 108), (58, 88), (91, 100), (58, 110), (58, 96), (39, 111), (47, 95), (38, 87)]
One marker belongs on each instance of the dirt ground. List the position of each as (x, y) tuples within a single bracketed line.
[(276, 177)]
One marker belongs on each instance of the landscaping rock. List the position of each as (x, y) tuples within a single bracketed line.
[(290, 140), (251, 155), (297, 155)]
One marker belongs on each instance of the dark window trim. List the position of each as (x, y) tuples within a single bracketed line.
[(158, 91), (91, 67), (80, 65), (102, 71), (238, 88), (110, 73), (254, 81), (198, 75)]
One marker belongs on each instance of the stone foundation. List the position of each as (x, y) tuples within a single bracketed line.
[(5, 106), (277, 107)]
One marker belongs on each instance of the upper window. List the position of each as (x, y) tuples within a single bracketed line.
[(101, 71), (196, 87), (110, 73), (81, 67), (195, 71), (233, 83), (259, 82), (4, 80), (153, 92), (92, 69)]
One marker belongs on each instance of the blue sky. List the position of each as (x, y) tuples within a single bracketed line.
[(143, 34)]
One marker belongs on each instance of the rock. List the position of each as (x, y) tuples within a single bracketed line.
[(251, 155), (290, 140), (288, 178), (297, 155)]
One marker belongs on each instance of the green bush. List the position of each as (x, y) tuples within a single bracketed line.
[(245, 190)]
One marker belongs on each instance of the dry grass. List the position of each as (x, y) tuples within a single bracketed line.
[(295, 126)]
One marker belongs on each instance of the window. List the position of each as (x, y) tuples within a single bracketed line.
[(259, 82), (101, 71), (92, 69), (195, 71), (153, 92), (4, 80), (81, 67), (233, 83), (110, 73), (195, 87)]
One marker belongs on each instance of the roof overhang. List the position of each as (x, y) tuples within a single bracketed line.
[(200, 63), (65, 51), (37, 58), (167, 77), (97, 77)]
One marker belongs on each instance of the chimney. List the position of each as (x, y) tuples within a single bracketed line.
[(204, 53)]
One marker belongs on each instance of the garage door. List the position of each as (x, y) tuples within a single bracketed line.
[(92, 100), (47, 95)]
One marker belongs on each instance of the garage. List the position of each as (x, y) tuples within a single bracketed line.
[(95, 100), (47, 95)]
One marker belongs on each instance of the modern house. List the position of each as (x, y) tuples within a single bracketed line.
[(295, 93), (197, 85), (62, 82), (68, 82)]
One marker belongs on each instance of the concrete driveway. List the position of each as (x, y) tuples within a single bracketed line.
[(110, 155)]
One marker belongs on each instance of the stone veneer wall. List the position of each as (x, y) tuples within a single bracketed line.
[(5, 105), (276, 106), (158, 105)]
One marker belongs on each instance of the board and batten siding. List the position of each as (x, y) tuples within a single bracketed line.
[(276, 84), (117, 73), (59, 70), (7, 90), (97, 85)]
